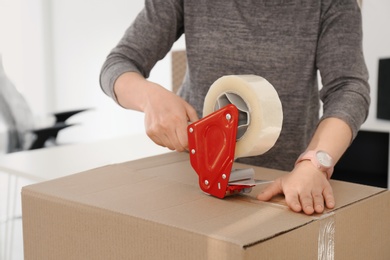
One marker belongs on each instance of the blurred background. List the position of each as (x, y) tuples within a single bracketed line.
[(53, 50)]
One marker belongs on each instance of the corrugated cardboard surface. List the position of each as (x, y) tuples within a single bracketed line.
[(153, 209)]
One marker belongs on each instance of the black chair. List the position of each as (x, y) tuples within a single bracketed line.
[(43, 135), (17, 119)]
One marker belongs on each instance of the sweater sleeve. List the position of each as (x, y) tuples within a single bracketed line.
[(146, 41), (345, 93)]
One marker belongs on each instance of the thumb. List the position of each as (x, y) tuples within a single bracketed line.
[(270, 191)]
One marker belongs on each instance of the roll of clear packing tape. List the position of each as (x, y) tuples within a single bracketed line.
[(260, 111)]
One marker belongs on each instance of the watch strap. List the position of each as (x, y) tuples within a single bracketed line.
[(311, 155)]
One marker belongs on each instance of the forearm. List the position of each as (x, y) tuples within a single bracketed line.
[(145, 42), (333, 135), (132, 91)]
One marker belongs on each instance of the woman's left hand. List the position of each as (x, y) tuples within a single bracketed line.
[(305, 189)]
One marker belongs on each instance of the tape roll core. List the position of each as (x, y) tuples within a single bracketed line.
[(243, 110), (260, 111)]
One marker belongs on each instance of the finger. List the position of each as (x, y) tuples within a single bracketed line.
[(191, 113), (270, 191), (183, 138), (177, 135), (153, 133), (329, 197), (292, 200), (154, 138), (165, 136), (306, 203), (318, 201), (192, 116), (177, 143), (161, 140), (174, 142)]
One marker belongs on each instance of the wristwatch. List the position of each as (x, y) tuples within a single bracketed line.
[(321, 160)]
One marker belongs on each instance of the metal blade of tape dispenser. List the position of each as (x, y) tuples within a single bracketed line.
[(245, 177)]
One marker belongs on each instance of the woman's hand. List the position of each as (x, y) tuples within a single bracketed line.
[(305, 189), (166, 114), (166, 119)]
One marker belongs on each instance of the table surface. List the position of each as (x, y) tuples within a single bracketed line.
[(58, 161)]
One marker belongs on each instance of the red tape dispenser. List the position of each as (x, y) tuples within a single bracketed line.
[(243, 117), (212, 142)]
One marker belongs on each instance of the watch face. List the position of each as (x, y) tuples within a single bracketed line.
[(324, 159)]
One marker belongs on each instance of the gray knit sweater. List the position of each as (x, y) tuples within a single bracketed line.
[(284, 41)]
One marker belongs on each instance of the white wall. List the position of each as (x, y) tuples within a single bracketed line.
[(83, 32), (10, 37), (23, 48), (376, 44), (53, 52)]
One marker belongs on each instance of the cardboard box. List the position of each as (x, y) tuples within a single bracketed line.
[(153, 209)]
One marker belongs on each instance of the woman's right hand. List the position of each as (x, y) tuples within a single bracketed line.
[(166, 114)]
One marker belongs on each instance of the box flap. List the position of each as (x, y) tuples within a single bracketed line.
[(164, 189)]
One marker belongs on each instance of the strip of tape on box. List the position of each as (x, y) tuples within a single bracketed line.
[(326, 237)]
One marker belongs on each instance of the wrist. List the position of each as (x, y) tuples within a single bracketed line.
[(321, 160), (124, 87), (307, 166), (134, 92)]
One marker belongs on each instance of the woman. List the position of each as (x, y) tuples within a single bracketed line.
[(286, 42)]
